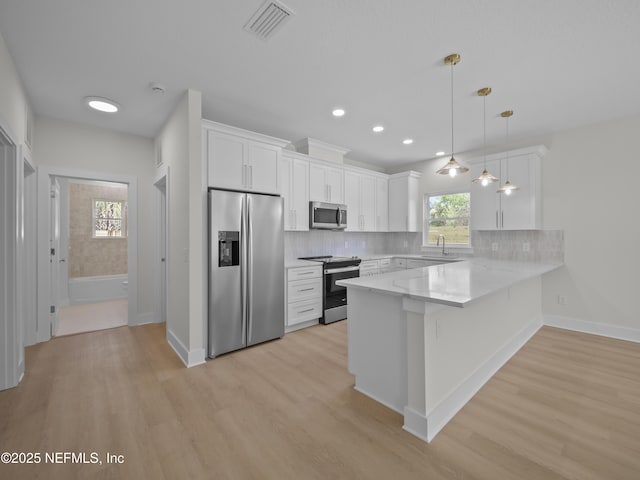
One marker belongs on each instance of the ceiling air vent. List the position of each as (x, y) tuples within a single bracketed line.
[(268, 19)]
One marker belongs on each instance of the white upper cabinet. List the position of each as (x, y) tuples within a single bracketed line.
[(405, 204), (241, 160), (325, 183), (522, 209), (294, 188), (382, 204), (360, 198)]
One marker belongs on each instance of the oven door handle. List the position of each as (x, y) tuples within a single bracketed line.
[(340, 270)]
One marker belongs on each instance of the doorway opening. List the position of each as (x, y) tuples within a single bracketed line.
[(88, 252), (89, 236)]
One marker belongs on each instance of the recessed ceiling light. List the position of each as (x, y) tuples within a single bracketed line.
[(439, 154), (102, 104), (378, 128), (338, 112), (407, 141)]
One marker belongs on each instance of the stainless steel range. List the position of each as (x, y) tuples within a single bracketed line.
[(334, 300)]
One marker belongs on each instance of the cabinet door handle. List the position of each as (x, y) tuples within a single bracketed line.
[(295, 219), (244, 175), (497, 219), (305, 311), (306, 273), (306, 289), (250, 176), (502, 213), (329, 192)]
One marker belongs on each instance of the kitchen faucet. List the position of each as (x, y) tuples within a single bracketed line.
[(441, 236)]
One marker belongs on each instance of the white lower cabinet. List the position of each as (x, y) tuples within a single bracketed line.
[(369, 268), (304, 296)]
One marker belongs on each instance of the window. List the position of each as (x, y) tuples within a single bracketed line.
[(448, 215), (109, 219)]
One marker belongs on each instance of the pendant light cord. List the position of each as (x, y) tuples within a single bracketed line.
[(452, 64), (484, 129)]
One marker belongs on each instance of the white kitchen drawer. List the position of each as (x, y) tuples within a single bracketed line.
[(299, 312), (304, 273), (304, 289), (384, 262)]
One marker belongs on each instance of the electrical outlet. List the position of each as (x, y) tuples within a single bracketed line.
[(494, 247), (562, 300), (526, 247)]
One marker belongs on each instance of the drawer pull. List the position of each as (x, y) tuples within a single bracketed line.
[(306, 273), (307, 310), (306, 289)]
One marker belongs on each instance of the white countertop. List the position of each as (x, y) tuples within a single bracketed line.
[(296, 263), (455, 284)]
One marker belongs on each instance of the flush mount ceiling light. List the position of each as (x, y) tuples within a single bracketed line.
[(378, 129), (338, 112), (508, 187), (407, 141), (485, 177), (452, 168), (102, 104)]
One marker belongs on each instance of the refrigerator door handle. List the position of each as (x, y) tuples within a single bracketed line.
[(249, 271), (243, 268)]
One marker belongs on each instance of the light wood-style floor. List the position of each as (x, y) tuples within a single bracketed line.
[(567, 406)]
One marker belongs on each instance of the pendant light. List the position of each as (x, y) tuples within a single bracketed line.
[(508, 187), (485, 177), (452, 168)]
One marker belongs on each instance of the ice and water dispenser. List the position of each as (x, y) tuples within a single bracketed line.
[(228, 248)]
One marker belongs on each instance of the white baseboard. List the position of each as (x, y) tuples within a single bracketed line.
[(426, 427), (301, 325), (585, 326), (189, 358)]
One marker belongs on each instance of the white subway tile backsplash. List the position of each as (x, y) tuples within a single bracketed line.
[(543, 244)]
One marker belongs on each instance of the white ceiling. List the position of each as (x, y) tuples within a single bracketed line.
[(557, 64)]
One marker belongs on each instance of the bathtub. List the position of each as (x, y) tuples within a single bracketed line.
[(99, 288)]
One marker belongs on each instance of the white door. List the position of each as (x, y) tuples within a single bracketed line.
[(263, 168), (54, 242), (318, 188)]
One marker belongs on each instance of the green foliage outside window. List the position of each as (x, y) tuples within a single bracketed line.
[(448, 215)]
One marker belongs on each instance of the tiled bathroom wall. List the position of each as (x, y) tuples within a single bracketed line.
[(93, 256)]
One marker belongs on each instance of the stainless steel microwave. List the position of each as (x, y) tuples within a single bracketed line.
[(327, 216)]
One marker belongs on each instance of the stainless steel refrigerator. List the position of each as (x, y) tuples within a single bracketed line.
[(246, 270)]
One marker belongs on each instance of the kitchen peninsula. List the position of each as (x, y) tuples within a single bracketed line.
[(424, 341)]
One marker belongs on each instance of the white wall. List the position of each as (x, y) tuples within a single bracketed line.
[(590, 190), (72, 146), (16, 270), (180, 147), (13, 99)]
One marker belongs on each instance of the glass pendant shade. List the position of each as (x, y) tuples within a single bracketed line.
[(452, 168), (507, 188), (485, 177)]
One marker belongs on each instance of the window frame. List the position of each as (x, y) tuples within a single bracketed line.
[(426, 220), (123, 219)]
